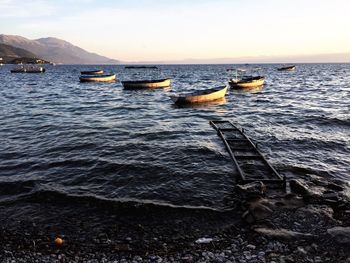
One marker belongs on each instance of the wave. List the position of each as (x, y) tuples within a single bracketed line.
[(16, 187), (327, 121), (318, 144), (298, 171), (29, 191)]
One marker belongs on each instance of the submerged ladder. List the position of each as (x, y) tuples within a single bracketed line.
[(251, 164)]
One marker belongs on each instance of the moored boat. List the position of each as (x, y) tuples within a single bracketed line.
[(92, 72), (201, 96), (28, 69), (146, 84), (141, 67), (98, 78), (287, 68), (247, 82)]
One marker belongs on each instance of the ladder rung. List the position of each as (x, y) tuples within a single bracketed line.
[(237, 140), (248, 156), (243, 148), (228, 129), (220, 121), (263, 180)]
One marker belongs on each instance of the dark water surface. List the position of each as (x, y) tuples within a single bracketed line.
[(99, 140)]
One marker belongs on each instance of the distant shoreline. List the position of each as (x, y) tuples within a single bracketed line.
[(157, 64), (165, 64)]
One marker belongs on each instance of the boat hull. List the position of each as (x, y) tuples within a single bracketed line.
[(242, 84), (92, 72), (146, 84), (201, 96), (291, 68), (98, 78)]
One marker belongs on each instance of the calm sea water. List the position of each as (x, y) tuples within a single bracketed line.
[(99, 140)]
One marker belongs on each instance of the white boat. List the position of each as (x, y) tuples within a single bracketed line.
[(287, 68), (146, 84), (98, 78), (201, 96), (92, 72), (246, 81)]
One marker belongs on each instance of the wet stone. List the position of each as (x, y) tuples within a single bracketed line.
[(252, 247), (301, 250), (340, 234), (334, 186), (254, 189), (261, 254)]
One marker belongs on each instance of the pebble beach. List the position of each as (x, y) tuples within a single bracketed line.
[(264, 226)]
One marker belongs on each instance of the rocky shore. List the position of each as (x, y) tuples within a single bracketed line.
[(309, 223)]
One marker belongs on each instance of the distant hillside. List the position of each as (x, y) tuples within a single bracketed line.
[(56, 50), (14, 52), (315, 58), (10, 54)]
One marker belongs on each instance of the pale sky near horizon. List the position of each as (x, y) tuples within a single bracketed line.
[(146, 30)]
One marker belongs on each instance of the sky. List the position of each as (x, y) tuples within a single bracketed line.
[(170, 30)]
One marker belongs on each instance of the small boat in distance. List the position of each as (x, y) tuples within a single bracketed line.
[(98, 78), (146, 84), (28, 69), (92, 72), (201, 96), (141, 67), (287, 68), (247, 82)]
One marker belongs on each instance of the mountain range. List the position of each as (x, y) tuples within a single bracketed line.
[(315, 58), (55, 50), (9, 53), (60, 51)]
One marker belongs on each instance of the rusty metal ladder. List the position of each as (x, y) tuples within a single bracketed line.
[(251, 164)]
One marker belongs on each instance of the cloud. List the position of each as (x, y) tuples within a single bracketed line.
[(26, 9)]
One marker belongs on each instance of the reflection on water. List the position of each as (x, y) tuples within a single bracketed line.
[(206, 104)]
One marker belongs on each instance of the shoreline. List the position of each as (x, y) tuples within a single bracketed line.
[(263, 226)]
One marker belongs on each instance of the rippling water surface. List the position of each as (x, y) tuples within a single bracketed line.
[(99, 140)]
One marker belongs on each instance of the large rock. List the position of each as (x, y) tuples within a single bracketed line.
[(340, 234), (290, 201), (258, 210), (254, 189), (300, 187)]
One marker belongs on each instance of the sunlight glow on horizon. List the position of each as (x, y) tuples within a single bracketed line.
[(150, 30)]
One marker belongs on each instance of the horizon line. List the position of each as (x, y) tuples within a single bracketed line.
[(238, 63)]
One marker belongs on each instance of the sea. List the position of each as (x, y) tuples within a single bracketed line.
[(98, 140)]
